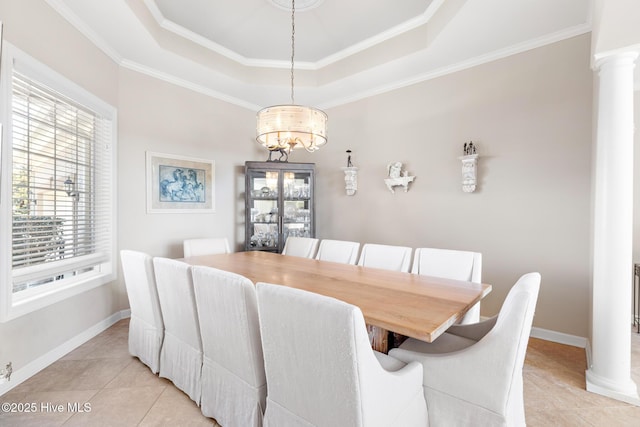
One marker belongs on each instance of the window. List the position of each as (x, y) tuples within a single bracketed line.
[(59, 199)]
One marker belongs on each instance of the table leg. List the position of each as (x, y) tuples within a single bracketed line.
[(398, 339), (379, 338)]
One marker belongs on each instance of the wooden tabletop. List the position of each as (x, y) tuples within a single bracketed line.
[(417, 306)]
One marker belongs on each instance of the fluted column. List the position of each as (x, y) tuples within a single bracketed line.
[(609, 372)]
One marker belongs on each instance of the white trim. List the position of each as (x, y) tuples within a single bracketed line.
[(42, 298), (559, 337), (187, 84), (450, 69), (11, 305), (64, 11), (30, 369), (460, 66), (389, 34)]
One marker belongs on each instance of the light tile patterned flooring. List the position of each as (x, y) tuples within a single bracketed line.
[(121, 391)]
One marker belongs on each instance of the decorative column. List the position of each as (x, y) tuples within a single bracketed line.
[(609, 372)]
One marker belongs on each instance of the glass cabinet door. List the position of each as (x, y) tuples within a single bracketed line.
[(297, 204), (279, 204), (262, 205)]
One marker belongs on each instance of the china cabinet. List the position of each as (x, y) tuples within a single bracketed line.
[(279, 202)]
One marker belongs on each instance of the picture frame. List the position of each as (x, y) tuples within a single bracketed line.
[(179, 184)]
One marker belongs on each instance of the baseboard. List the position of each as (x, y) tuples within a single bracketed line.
[(559, 337), (20, 375)]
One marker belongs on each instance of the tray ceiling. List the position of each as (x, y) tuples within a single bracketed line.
[(240, 50)]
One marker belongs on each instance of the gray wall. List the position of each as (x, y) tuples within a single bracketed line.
[(160, 117), (530, 115)]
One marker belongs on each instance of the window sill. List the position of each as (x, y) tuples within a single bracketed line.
[(19, 305)]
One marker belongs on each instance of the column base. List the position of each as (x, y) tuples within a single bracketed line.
[(625, 392)]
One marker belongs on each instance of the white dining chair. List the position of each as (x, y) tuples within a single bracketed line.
[(305, 247), (181, 354), (451, 264), (473, 373), (234, 387), (386, 257), (321, 370), (341, 251), (205, 246), (146, 328)]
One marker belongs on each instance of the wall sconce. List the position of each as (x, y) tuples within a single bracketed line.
[(70, 188), (469, 166), (350, 176)]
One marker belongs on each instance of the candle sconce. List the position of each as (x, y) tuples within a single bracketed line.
[(469, 167), (350, 176)]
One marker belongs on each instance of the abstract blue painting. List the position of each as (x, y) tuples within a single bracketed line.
[(179, 184)]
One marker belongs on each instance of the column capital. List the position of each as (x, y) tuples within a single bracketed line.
[(626, 57)]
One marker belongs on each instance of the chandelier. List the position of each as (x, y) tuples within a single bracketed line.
[(288, 127)]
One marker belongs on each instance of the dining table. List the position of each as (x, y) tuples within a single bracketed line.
[(407, 304)]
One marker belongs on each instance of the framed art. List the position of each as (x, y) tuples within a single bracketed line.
[(177, 184)]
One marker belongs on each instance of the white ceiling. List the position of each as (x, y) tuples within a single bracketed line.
[(240, 50)]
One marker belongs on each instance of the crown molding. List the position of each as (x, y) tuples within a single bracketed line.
[(387, 73), (80, 25), (178, 81), (389, 34), (470, 63)]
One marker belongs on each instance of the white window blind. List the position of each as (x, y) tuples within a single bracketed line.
[(61, 186)]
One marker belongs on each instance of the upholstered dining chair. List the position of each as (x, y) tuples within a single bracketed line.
[(473, 373), (386, 257), (321, 370), (205, 246), (451, 264), (305, 247), (181, 354), (341, 251), (146, 328), (234, 387)]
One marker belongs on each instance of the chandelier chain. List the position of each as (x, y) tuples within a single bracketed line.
[(286, 127), (293, 32)]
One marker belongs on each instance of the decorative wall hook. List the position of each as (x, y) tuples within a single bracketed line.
[(397, 177), (350, 176), (469, 166)]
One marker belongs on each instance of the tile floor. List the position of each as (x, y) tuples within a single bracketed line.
[(554, 389), (121, 391)]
